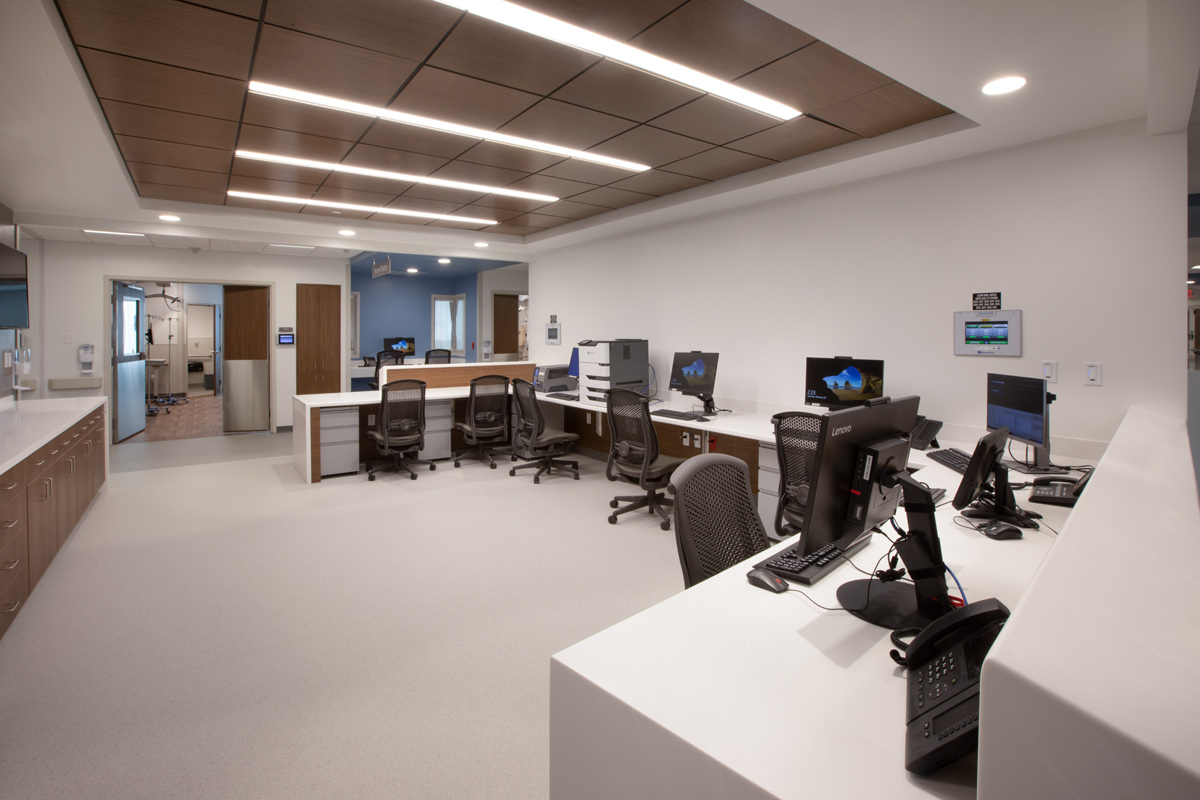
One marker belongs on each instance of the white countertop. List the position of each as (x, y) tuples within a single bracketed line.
[(333, 399), (26, 425)]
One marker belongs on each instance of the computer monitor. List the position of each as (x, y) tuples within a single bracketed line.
[(842, 382), (828, 515), (695, 373), (984, 491), (401, 344), (1023, 406), (573, 365)]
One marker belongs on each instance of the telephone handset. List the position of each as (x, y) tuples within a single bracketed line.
[(1058, 491), (944, 663)]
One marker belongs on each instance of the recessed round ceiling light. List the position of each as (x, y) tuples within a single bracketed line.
[(485, 244), (411, 270), (335, 212), (168, 218), (346, 232), (1004, 85), (443, 261)]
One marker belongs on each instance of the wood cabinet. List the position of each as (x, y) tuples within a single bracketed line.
[(318, 338), (41, 501)]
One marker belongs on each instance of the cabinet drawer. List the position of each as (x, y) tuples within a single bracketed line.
[(768, 458), (438, 409), (12, 482), (14, 554), (339, 435), (12, 596), (339, 417)]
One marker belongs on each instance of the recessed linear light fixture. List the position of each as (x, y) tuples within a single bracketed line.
[(114, 233), (295, 246), (485, 244), (393, 176), (555, 30), (168, 218), (1004, 85), (338, 104), (304, 201), (412, 270), (443, 261), (347, 232)]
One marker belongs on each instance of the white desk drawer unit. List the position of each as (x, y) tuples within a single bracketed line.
[(439, 421), (768, 485), (339, 440)]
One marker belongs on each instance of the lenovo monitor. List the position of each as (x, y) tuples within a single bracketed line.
[(695, 373), (984, 491), (401, 344), (842, 382), (1023, 406)]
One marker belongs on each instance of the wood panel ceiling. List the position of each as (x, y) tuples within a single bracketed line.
[(172, 79)]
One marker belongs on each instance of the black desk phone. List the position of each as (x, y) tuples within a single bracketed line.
[(1058, 491), (925, 433), (944, 662)]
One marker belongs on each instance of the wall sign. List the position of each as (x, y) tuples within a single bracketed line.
[(985, 301), (381, 268)]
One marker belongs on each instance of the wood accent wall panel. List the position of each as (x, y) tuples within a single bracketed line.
[(505, 323), (314, 441), (445, 377), (247, 321), (575, 421)]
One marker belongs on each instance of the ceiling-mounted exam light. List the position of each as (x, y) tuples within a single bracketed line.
[(555, 30), (338, 104)]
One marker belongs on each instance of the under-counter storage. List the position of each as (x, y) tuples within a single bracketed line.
[(41, 501), (439, 423), (339, 441)]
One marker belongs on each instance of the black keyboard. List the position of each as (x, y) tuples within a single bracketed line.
[(953, 458), (563, 396), (808, 569), (673, 414)]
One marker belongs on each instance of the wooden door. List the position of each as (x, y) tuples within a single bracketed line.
[(505, 323), (245, 402), (318, 338)]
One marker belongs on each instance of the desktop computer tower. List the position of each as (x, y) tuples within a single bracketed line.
[(612, 364)]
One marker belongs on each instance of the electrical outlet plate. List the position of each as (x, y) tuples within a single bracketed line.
[(695, 440)]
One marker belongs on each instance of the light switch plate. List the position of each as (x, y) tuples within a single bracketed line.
[(1050, 371), (1093, 373)]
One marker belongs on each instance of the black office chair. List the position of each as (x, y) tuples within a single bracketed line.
[(385, 358), (437, 356), (533, 441), (716, 518), (400, 427), (486, 426), (796, 437), (634, 456)]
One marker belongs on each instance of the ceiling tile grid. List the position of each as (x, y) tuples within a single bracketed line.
[(173, 80)]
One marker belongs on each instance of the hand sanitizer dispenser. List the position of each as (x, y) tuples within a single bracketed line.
[(87, 356)]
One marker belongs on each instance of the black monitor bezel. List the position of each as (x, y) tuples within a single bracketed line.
[(843, 361), (411, 350), (989, 450), (1045, 403)]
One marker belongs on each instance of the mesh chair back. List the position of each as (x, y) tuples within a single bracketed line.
[(487, 406), (796, 436), (716, 519), (386, 358), (634, 441), (401, 410), (529, 416), (437, 356)]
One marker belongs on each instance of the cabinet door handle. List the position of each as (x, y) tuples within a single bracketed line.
[(10, 565), (13, 606), (49, 488), (12, 523), (87, 451), (10, 487), (71, 464)]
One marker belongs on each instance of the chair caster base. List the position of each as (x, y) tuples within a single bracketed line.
[(612, 519), (537, 479), (666, 526), (613, 504), (432, 467), (457, 464), (413, 476), (370, 477), (493, 466), (512, 473)]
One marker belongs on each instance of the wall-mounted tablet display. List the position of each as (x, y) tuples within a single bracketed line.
[(987, 333)]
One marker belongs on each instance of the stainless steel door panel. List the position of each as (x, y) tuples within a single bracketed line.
[(246, 399)]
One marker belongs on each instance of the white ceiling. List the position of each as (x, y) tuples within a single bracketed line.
[(1088, 63)]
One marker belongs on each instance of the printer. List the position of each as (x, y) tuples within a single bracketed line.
[(612, 364), (554, 378)]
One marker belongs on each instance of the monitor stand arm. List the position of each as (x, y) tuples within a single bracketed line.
[(998, 502), (710, 407)]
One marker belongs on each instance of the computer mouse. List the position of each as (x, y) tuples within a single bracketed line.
[(1001, 530), (765, 579)]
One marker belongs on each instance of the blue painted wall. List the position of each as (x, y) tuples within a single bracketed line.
[(400, 305)]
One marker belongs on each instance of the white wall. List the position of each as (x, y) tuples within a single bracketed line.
[(505, 280), (70, 301), (1085, 234)]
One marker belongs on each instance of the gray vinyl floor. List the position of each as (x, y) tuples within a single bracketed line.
[(217, 629)]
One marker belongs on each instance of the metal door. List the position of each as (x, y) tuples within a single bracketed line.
[(129, 360)]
